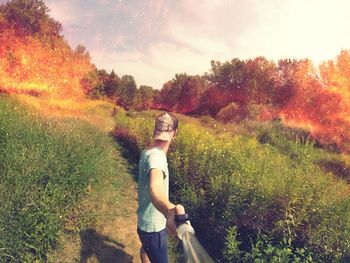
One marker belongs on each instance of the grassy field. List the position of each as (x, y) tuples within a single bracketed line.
[(256, 191), (54, 167)]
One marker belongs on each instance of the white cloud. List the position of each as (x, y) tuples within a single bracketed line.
[(155, 68), (63, 11), (155, 40)]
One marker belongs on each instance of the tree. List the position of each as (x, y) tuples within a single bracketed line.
[(287, 84), (92, 86), (81, 51), (112, 85), (31, 17), (212, 100), (261, 85), (143, 98), (191, 91), (146, 94), (170, 92), (335, 75), (127, 91), (230, 75), (182, 93)]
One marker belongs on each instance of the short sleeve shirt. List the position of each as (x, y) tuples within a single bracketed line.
[(149, 219)]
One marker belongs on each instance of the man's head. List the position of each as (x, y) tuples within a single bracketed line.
[(165, 127)]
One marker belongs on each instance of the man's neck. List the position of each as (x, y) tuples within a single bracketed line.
[(164, 145)]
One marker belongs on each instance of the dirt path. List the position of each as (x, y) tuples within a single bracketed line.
[(112, 238)]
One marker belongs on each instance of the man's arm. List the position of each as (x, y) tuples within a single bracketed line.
[(160, 200)]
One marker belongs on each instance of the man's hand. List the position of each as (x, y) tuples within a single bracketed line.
[(170, 222)]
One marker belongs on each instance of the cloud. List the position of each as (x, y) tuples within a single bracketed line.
[(62, 11), (153, 40), (160, 65)]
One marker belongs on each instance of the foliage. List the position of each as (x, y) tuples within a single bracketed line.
[(34, 57), (46, 167), (144, 97), (111, 82), (31, 17), (121, 90), (254, 111), (182, 93), (254, 202), (92, 85), (127, 91), (290, 89), (230, 113)]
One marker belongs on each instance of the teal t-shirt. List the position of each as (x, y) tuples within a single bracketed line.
[(149, 219)]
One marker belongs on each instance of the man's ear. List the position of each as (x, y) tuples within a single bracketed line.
[(175, 133)]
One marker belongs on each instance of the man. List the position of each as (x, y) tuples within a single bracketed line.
[(155, 213)]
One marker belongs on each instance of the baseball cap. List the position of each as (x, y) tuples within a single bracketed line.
[(165, 124)]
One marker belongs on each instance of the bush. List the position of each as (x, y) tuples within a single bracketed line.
[(253, 111), (231, 112)]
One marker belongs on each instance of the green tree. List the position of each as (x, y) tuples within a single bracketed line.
[(112, 85), (127, 91), (143, 98), (31, 17), (261, 77), (213, 99), (92, 85), (146, 92), (182, 93), (230, 75), (192, 89), (287, 83), (170, 92), (81, 51)]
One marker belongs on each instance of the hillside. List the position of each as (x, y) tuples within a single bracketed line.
[(67, 192)]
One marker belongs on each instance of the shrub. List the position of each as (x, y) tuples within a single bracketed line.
[(231, 112), (253, 111)]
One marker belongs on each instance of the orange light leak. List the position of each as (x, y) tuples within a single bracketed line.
[(324, 109), (31, 66), (52, 70)]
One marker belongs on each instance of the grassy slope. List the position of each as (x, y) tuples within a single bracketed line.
[(102, 225)]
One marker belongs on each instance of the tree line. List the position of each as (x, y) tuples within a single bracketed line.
[(122, 90), (34, 56), (293, 90)]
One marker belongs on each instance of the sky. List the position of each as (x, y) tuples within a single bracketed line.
[(155, 39)]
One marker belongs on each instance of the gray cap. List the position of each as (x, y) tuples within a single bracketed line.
[(164, 127)]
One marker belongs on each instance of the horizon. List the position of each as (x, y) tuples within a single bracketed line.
[(156, 39)]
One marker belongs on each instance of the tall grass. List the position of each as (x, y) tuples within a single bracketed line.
[(45, 169), (249, 200)]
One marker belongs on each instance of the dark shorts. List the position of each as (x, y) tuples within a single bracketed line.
[(155, 245)]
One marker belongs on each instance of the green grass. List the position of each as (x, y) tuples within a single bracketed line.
[(46, 167), (255, 192)]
